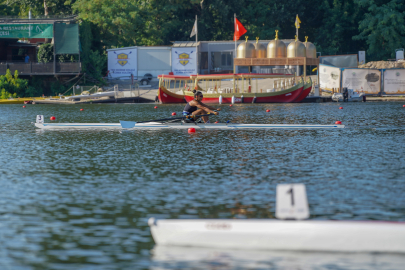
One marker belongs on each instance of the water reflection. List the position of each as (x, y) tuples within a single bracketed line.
[(208, 258)]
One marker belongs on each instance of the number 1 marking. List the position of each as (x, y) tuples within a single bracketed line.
[(291, 191)]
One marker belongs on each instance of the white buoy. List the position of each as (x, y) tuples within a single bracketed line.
[(220, 99), (233, 99)]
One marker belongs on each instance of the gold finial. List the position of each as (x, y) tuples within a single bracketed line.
[(257, 39), (246, 37), (296, 38), (276, 35), (306, 38)]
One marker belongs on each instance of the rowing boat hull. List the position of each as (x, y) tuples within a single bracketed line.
[(305, 92), (309, 235), (157, 125), (166, 96), (284, 96)]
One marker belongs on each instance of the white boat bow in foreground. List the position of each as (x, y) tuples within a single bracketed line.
[(273, 234)]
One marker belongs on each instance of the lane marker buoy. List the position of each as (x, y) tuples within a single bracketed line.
[(230, 105), (155, 107), (338, 122), (24, 106), (340, 108), (81, 110), (267, 110), (173, 113), (191, 130), (52, 118), (216, 122)]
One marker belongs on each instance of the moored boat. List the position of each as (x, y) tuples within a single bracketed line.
[(305, 92), (172, 88), (233, 88), (246, 88)]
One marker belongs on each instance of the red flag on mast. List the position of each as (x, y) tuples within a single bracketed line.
[(239, 30)]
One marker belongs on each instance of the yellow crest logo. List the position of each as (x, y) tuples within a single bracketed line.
[(122, 59), (184, 57)]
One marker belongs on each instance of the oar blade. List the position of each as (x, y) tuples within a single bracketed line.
[(127, 124)]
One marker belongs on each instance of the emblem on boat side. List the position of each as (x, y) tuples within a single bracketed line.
[(184, 58), (122, 59)]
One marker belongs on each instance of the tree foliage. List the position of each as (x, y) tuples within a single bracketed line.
[(12, 85), (383, 27), (335, 26)]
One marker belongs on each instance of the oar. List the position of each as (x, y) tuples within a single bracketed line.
[(131, 124)]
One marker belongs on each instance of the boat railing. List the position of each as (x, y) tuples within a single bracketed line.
[(247, 85)]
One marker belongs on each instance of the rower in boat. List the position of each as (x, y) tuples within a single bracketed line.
[(196, 107)]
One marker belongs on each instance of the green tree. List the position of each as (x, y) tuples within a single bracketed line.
[(13, 84), (383, 28)]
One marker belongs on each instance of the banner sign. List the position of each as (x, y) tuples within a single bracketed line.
[(123, 63), (329, 77), (394, 81), (362, 80), (26, 31), (184, 61)]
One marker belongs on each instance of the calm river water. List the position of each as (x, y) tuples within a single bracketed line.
[(81, 199)]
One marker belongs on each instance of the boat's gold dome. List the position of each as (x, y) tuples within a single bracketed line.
[(260, 49), (296, 49), (246, 50), (276, 48), (311, 49)]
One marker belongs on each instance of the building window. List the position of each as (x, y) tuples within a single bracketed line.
[(221, 61)]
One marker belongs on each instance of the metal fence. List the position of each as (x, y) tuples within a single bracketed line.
[(33, 68)]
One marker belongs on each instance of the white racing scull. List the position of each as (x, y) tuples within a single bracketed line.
[(173, 123), (156, 125)]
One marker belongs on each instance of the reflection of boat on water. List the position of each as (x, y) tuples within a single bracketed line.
[(234, 88), (170, 257), (353, 96)]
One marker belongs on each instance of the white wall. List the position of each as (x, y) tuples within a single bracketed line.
[(154, 60)]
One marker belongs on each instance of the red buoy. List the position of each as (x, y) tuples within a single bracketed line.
[(267, 110), (216, 122), (340, 108), (173, 113), (403, 106), (53, 118), (155, 107), (24, 106), (191, 130), (81, 110), (338, 123), (230, 105)]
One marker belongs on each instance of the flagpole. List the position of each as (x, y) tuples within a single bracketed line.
[(196, 41), (296, 19), (234, 55)]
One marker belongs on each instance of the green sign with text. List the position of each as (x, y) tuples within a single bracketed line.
[(26, 30)]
